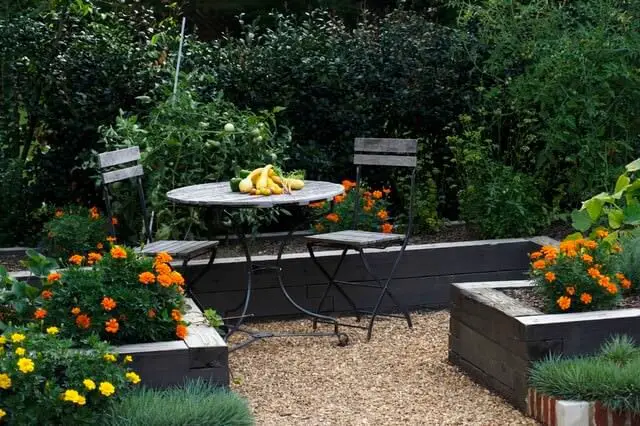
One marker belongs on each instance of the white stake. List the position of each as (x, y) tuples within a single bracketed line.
[(175, 81)]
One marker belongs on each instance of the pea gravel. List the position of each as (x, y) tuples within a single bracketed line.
[(400, 377)]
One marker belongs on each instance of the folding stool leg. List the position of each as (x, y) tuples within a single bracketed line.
[(192, 282), (331, 282)]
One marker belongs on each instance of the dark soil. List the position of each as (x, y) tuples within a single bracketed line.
[(529, 297), (11, 262)]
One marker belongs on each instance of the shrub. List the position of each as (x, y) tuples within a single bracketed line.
[(185, 142), (611, 376), (75, 230), (580, 276), (44, 380), (122, 298), (197, 403), (628, 262), (373, 210)]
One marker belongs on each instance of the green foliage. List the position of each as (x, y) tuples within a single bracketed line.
[(611, 376), (197, 403), (41, 394), (114, 300), (17, 223), (397, 76), (373, 210), (184, 142), (495, 198), (628, 262), (561, 88), (75, 230)]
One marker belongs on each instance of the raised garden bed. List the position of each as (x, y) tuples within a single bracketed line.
[(495, 338), (203, 354)]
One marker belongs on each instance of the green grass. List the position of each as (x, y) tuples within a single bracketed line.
[(612, 376), (197, 403)]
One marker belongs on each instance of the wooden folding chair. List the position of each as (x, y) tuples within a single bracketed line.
[(370, 152), (123, 164)]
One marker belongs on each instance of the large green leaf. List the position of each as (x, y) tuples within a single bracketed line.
[(593, 208), (622, 183), (632, 214), (633, 166), (616, 218), (581, 220)]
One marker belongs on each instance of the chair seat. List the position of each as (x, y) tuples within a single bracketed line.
[(356, 239), (178, 248)]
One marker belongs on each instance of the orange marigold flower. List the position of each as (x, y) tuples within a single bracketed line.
[(181, 331), (75, 311), (318, 205), (570, 290), (617, 248), (46, 294), (367, 194), (111, 326), (590, 244), (176, 278), (612, 288), (108, 303), (586, 298), (114, 220), (539, 264), (162, 268), (111, 239), (59, 213), (569, 247), (83, 321), (118, 252), (151, 313), (176, 315), (319, 227), (53, 277), (333, 217), (387, 228), (535, 255), (163, 257), (604, 281), (367, 208), (626, 284), (76, 259), (377, 194), (348, 184), (587, 258), (93, 212), (93, 258), (564, 302), (550, 276), (383, 215), (165, 280), (620, 276), (594, 272), (147, 278), (602, 233), (386, 191), (99, 246), (338, 198), (40, 313)]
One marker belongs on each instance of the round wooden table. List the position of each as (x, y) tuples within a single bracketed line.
[(219, 195)]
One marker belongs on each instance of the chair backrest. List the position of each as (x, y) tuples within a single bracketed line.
[(112, 159), (116, 166), (385, 152)]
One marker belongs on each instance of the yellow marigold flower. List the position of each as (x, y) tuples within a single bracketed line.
[(109, 357), (89, 384), (53, 330), (25, 365), (571, 290), (118, 252), (162, 268), (21, 351), (72, 395), (106, 389), (602, 233), (133, 377), (5, 381), (17, 337), (163, 257), (147, 278), (550, 276), (128, 358), (539, 264), (564, 302), (585, 298), (3, 340), (2, 413)]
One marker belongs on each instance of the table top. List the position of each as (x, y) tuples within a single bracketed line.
[(220, 194)]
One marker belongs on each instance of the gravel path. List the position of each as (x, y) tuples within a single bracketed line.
[(401, 377)]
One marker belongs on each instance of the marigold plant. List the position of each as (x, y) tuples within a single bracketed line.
[(373, 211), (112, 298), (45, 380), (579, 275)]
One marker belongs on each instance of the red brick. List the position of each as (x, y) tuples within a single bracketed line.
[(601, 415), (618, 418), (635, 419), (552, 412), (539, 408), (531, 398)]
